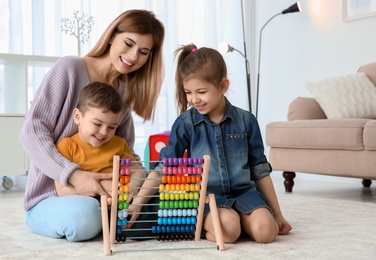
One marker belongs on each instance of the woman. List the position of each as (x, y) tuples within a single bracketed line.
[(128, 56)]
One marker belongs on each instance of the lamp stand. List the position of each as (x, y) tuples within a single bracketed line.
[(246, 64), (258, 67), (292, 9)]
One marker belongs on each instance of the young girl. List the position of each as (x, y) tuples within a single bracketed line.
[(239, 171)]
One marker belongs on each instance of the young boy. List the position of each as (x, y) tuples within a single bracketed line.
[(97, 115)]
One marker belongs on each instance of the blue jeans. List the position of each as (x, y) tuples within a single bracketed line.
[(77, 218)]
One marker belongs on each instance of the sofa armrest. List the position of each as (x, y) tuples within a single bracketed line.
[(302, 108), (369, 70)]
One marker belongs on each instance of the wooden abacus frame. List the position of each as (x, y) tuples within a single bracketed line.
[(109, 231)]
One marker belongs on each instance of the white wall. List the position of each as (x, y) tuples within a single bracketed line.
[(299, 47)]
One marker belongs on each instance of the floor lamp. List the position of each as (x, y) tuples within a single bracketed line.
[(292, 9), (224, 48)]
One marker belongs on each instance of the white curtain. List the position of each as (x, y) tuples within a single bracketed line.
[(34, 28)]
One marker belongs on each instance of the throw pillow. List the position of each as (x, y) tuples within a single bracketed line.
[(348, 96)]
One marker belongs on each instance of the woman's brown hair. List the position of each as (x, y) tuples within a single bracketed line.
[(143, 85)]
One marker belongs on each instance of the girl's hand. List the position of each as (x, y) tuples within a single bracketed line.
[(133, 213), (284, 226), (89, 183), (132, 192)]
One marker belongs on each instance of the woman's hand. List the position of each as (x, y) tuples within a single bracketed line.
[(89, 183), (107, 185)]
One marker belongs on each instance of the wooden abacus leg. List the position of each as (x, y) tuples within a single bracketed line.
[(105, 226), (114, 197), (202, 201), (216, 223)]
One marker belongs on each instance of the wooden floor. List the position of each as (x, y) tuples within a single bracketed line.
[(322, 186)]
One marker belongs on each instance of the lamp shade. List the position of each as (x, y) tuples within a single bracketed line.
[(224, 48), (293, 9)]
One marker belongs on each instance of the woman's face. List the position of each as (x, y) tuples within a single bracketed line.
[(130, 51)]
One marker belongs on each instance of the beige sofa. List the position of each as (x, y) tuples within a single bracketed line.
[(310, 143)]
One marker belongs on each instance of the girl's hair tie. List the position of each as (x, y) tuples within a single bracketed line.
[(194, 49)]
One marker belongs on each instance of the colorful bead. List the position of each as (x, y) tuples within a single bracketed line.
[(175, 161), (178, 194), (170, 162), (161, 187)]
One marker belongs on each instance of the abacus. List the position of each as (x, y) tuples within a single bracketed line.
[(182, 195)]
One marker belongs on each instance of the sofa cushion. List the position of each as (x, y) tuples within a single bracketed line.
[(305, 108), (346, 134), (348, 96), (369, 135)]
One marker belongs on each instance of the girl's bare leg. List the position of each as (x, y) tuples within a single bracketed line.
[(230, 224), (260, 225)]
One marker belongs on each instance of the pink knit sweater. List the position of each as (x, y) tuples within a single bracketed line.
[(50, 119)]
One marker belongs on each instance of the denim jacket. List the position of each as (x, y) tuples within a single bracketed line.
[(235, 147)]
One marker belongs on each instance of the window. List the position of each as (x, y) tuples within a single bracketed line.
[(34, 28)]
